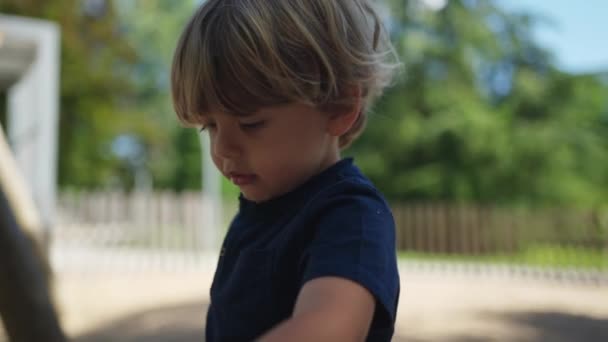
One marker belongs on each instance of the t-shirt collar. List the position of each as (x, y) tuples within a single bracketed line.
[(298, 195)]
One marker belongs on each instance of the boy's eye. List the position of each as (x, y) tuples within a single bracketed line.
[(253, 125)]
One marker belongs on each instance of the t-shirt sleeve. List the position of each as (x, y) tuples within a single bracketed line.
[(355, 239)]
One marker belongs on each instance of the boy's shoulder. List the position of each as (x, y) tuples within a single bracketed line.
[(351, 189), (349, 207)]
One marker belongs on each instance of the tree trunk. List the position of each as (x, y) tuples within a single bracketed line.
[(25, 303)]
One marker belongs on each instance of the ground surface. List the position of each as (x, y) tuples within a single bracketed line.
[(171, 306)]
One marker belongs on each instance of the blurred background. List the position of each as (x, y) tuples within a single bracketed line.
[(492, 148)]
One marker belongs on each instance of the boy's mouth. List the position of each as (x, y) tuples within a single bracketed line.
[(241, 179)]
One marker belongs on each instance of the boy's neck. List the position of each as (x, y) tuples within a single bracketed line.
[(332, 157)]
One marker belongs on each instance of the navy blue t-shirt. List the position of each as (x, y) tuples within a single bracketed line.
[(335, 224)]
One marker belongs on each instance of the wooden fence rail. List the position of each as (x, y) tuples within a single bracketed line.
[(479, 230)]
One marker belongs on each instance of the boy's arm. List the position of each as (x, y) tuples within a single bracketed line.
[(327, 309)]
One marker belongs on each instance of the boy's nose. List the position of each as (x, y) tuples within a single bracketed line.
[(225, 146)]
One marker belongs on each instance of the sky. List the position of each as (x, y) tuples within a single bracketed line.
[(577, 34)]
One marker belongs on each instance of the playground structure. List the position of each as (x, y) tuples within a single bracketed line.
[(29, 76), (29, 63), (29, 73)]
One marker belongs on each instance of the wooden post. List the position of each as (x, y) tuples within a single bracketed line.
[(25, 303)]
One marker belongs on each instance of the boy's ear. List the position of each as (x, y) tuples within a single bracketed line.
[(341, 121)]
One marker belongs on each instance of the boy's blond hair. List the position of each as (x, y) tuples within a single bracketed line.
[(236, 56)]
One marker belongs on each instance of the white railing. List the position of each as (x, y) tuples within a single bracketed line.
[(132, 231)]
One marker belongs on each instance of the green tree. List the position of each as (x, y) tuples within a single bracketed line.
[(175, 160), (481, 114)]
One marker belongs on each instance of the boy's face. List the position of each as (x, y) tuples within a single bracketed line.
[(272, 151)]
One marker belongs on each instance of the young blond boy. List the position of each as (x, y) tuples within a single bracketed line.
[(281, 87)]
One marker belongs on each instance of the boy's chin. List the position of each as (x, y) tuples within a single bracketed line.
[(256, 198), (259, 197)]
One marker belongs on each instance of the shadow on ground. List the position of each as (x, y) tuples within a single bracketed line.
[(541, 326), (184, 323), (179, 323), (561, 327)]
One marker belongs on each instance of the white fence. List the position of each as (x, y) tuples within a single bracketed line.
[(116, 231)]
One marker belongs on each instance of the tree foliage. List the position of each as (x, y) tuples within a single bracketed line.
[(481, 114)]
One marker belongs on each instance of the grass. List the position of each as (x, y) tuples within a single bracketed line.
[(538, 255)]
